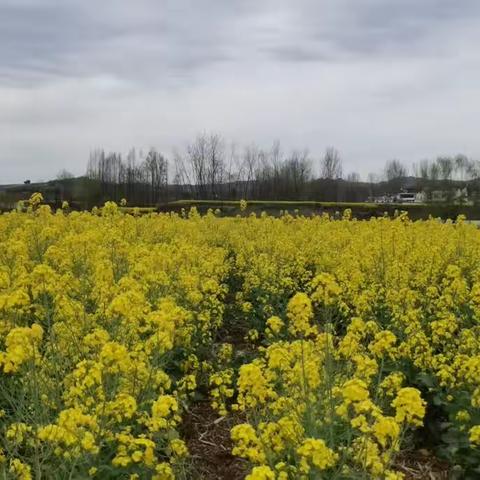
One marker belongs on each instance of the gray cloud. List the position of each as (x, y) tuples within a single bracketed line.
[(71, 38), (336, 30), (377, 78), (132, 41)]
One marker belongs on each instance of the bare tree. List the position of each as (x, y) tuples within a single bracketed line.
[(353, 177), (424, 169), (155, 172), (233, 172), (250, 163), (445, 166), (395, 169), (434, 171), (473, 170), (182, 181), (197, 157), (205, 161), (462, 166), (331, 165), (215, 163), (297, 169)]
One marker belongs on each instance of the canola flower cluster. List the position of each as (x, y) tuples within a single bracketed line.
[(347, 342), (103, 318), (367, 341)]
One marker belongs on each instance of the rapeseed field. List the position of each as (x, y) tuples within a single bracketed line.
[(335, 344)]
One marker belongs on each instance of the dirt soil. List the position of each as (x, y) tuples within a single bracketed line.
[(208, 440), (421, 465)]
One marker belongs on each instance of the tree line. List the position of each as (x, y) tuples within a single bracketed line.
[(210, 168), (143, 179)]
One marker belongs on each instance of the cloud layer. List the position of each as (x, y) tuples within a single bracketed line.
[(376, 78)]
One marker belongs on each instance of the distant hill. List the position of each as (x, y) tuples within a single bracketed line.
[(79, 192)]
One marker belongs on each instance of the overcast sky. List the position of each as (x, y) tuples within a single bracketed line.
[(378, 79)]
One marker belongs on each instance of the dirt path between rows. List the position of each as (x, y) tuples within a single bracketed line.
[(208, 440)]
